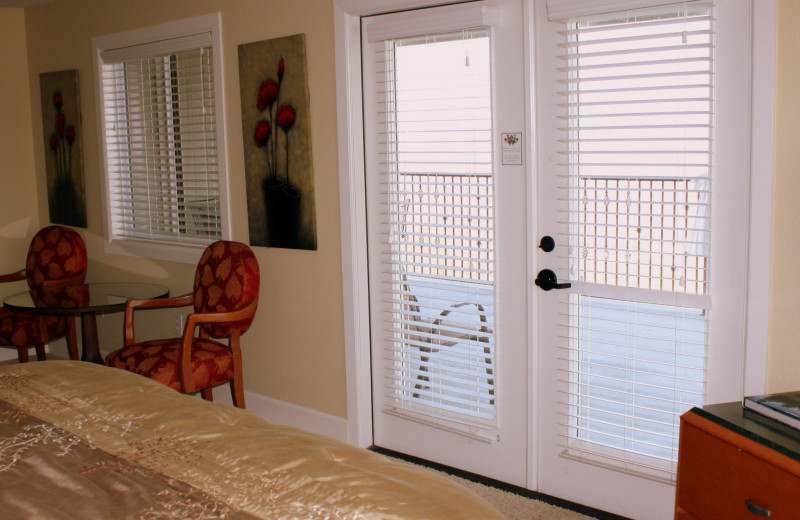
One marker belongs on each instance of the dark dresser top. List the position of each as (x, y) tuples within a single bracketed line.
[(749, 424)]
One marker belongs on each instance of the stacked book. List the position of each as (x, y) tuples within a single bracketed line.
[(783, 407)]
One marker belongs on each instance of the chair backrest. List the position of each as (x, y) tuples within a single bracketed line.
[(55, 253), (227, 277)]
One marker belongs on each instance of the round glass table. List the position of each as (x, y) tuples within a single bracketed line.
[(87, 301)]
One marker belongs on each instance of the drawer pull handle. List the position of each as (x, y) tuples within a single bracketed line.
[(757, 510)]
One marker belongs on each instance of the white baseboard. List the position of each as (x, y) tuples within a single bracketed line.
[(281, 412)]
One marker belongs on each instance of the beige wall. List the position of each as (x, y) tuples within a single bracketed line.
[(295, 349), (783, 372), (19, 219)]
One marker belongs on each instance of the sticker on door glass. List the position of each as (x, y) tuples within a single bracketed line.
[(512, 148)]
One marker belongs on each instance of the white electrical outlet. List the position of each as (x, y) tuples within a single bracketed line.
[(177, 323)]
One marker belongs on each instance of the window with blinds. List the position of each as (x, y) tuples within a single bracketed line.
[(638, 156), (438, 282), (161, 141)]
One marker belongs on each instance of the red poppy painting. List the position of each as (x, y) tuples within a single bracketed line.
[(277, 143), (61, 117)]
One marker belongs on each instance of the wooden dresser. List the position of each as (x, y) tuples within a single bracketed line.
[(734, 464)]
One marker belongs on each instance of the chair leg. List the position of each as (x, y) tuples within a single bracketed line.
[(489, 372), (237, 391), (41, 355), (22, 354), (423, 367), (237, 383), (72, 339), (207, 394)]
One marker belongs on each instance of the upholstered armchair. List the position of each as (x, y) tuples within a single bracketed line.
[(224, 297), (56, 257)]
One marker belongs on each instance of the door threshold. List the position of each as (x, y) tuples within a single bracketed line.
[(503, 486)]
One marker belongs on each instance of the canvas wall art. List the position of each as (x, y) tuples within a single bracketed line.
[(277, 143), (61, 119)]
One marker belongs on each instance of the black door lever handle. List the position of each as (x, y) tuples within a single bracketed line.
[(547, 279)]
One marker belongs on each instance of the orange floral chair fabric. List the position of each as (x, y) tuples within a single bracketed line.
[(224, 297), (56, 256)]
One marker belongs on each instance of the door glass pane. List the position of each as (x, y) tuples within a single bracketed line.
[(639, 111), (439, 282)]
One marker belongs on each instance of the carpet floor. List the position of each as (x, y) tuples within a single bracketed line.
[(514, 504), (518, 507)]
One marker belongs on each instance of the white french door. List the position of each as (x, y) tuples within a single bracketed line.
[(637, 170), (445, 252), (644, 135)]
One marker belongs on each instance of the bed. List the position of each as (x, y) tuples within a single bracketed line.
[(79, 440)]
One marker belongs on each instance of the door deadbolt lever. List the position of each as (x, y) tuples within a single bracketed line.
[(547, 279)]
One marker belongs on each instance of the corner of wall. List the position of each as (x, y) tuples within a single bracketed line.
[(19, 216)]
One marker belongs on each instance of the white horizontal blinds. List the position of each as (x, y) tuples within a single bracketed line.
[(639, 126), (435, 154), (631, 369), (162, 146), (569, 9), (638, 152)]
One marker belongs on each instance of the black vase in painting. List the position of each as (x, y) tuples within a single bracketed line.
[(65, 208), (283, 213)]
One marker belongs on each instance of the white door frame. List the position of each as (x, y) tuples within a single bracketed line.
[(347, 15), (762, 114)]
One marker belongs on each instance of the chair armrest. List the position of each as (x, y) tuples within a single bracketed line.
[(243, 312), (174, 301), (12, 277), (133, 304), (74, 280), (440, 321)]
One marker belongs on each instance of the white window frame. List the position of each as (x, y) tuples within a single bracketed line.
[(207, 24), (347, 29)]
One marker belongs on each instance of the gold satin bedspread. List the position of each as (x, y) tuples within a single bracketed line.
[(82, 441)]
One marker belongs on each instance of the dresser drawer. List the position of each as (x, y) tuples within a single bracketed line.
[(719, 480)]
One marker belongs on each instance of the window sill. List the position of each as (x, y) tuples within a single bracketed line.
[(182, 253)]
